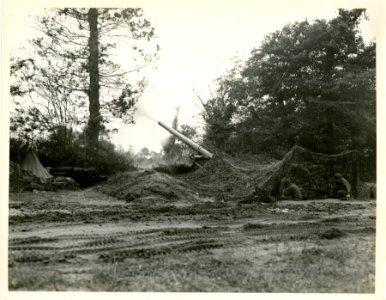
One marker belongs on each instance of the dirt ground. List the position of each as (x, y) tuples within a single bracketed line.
[(86, 240)]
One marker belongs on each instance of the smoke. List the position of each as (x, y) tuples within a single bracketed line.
[(143, 112)]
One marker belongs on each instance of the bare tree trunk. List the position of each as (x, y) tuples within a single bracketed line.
[(94, 122)]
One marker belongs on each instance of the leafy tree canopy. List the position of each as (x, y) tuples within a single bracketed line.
[(311, 83)]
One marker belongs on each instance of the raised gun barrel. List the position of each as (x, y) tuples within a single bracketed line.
[(187, 141)]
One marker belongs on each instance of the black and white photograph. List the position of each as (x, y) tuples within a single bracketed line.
[(191, 147)]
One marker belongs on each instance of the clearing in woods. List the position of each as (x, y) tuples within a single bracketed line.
[(188, 233)]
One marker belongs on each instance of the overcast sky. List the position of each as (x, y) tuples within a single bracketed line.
[(198, 41)]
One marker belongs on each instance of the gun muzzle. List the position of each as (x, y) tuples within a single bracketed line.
[(187, 141)]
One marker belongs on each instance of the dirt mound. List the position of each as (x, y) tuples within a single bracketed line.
[(149, 187), (223, 178), (228, 178)]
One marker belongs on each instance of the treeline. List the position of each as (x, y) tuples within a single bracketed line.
[(311, 84)]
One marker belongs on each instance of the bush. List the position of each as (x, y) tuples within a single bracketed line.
[(17, 150), (107, 160), (64, 147)]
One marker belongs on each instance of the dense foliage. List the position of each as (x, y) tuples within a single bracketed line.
[(65, 147), (311, 83)]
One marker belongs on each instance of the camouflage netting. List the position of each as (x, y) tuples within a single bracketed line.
[(215, 178), (314, 172), (224, 176)]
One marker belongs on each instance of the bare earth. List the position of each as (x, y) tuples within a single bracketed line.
[(85, 240)]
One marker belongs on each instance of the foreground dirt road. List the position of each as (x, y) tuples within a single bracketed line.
[(85, 240)]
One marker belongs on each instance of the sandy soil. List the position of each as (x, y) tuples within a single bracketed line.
[(85, 240)]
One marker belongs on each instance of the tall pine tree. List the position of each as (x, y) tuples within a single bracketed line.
[(75, 61)]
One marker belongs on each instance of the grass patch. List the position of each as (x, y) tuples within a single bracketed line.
[(289, 266), (276, 267), (348, 267)]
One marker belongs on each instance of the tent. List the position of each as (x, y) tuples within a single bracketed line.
[(32, 164)]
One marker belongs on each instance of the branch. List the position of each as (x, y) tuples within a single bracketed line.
[(202, 102)]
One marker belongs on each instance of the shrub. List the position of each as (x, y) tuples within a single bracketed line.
[(64, 147)]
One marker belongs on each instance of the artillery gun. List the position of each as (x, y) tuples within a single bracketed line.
[(202, 153)]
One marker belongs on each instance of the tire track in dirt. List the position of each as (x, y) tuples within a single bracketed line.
[(160, 242), (139, 244), (100, 244)]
